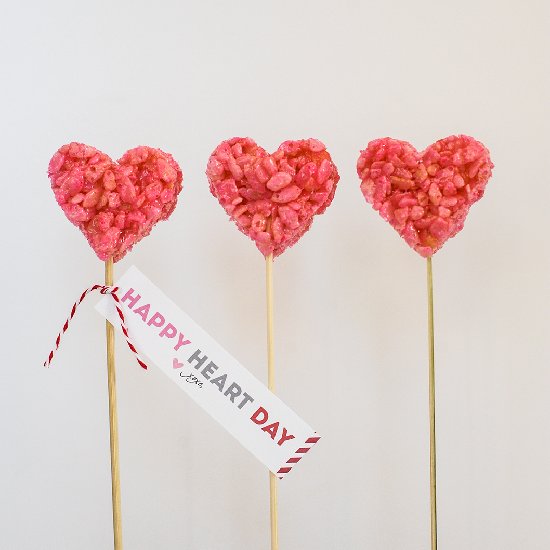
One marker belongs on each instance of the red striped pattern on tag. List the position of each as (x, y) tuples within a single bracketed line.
[(297, 456)]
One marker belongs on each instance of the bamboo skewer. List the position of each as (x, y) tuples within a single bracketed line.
[(431, 352), (113, 421), (273, 512)]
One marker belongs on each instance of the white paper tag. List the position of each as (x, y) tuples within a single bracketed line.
[(193, 360)]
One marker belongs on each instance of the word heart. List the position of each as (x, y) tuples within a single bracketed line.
[(233, 391), (217, 382)]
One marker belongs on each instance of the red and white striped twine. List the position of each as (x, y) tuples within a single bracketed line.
[(111, 290), (298, 455)]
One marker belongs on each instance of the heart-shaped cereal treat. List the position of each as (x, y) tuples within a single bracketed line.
[(115, 204), (424, 196), (272, 198)]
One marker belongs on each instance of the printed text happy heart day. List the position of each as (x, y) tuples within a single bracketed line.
[(206, 369)]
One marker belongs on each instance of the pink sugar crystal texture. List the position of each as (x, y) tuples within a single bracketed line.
[(115, 205), (272, 197), (424, 196)]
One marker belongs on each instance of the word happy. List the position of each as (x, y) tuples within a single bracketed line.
[(155, 320)]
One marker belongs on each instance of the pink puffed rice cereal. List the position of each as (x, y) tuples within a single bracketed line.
[(424, 196), (272, 198), (115, 204)]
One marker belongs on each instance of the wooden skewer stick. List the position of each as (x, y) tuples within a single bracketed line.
[(273, 513), (113, 421), (431, 351)]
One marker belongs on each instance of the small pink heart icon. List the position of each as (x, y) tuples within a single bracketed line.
[(176, 364)]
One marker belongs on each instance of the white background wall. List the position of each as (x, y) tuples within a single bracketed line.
[(350, 297)]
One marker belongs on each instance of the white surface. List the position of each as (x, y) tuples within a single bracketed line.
[(350, 297)]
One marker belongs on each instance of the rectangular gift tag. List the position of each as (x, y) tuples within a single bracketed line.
[(214, 379)]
